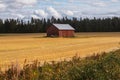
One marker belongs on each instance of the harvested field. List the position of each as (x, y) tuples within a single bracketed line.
[(18, 47)]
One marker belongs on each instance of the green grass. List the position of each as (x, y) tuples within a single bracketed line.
[(97, 67)]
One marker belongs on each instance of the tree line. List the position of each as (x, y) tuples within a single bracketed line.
[(41, 25)]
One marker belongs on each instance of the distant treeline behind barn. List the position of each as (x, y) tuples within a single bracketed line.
[(41, 25)]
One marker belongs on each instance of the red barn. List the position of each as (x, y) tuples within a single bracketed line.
[(61, 30)]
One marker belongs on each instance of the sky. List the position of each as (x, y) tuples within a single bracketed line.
[(25, 9)]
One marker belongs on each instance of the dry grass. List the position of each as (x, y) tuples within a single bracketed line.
[(18, 47)]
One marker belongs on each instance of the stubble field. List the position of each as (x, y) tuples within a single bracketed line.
[(18, 47)]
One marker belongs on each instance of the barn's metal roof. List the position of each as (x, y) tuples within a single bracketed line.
[(63, 27)]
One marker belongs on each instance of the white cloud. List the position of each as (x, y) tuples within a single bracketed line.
[(71, 8), (69, 13), (54, 12), (41, 13), (99, 4), (20, 16), (2, 6), (114, 0), (35, 16), (26, 2)]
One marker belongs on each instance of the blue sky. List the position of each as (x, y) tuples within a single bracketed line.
[(25, 9)]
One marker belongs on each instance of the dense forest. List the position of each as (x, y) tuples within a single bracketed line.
[(80, 25)]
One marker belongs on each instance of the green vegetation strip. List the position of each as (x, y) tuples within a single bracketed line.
[(96, 67)]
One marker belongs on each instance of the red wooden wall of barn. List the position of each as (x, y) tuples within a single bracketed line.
[(52, 31), (66, 33)]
